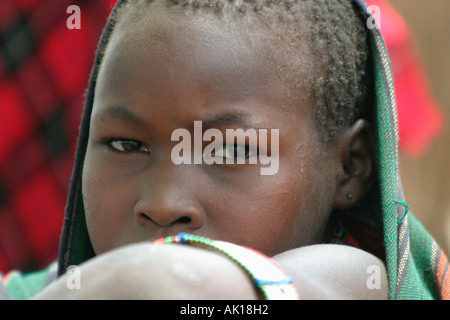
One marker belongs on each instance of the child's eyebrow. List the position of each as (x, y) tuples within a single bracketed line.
[(122, 114), (232, 118)]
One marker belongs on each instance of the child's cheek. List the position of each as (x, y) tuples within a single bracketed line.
[(108, 204)]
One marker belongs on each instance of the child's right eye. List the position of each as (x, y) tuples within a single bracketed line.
[(128, 146)]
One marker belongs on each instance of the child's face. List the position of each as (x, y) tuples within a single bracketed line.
[(160, 76)]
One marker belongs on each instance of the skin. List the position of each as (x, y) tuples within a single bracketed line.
[(191, 69)]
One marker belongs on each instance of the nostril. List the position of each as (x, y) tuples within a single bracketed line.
[(143, 218), (184, 220)]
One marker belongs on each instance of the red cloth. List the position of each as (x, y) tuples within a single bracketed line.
[(44, 71)]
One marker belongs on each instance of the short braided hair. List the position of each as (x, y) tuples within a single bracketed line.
[(338, 77)]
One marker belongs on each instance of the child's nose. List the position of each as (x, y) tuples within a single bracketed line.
[(165, 214), (167, 200)]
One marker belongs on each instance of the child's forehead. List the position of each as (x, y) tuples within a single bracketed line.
[(192, 50), (207, 38), (193, 45), (203, 58), (161, 23)]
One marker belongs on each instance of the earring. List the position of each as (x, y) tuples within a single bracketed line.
[(349, 195)]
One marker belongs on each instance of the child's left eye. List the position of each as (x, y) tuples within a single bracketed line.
[(127, 146)]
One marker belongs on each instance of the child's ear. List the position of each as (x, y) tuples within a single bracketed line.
[(356, 151)]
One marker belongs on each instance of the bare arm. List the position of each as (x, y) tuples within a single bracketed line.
[(335, 272), (147, 271)]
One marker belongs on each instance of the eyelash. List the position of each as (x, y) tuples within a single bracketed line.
[(117, 144)]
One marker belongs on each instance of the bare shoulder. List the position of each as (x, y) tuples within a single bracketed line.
[(329, 271)]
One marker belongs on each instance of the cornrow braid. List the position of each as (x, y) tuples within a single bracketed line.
[(337, 73)]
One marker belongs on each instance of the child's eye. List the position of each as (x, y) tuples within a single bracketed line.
[(127, 146)]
